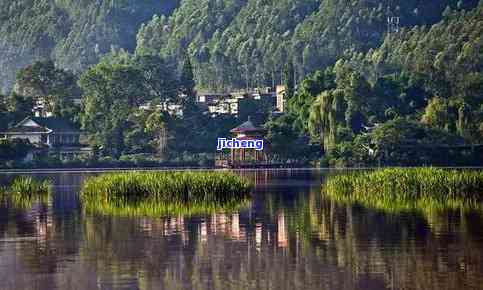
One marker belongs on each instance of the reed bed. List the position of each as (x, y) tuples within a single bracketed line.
[(24, 191), (164, 193), (406, 189)]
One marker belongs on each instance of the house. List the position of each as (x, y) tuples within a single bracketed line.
[(210, 97), (58, 135), (281, 98)]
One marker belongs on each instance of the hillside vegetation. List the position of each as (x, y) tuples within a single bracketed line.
[(73, 33), (359, 91), (236, 43)]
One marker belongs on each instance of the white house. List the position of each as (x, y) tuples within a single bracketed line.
[(58, 134)]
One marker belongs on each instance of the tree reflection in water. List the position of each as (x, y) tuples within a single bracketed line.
[(291, 238)]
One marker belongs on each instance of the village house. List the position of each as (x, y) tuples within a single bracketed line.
[(171, 108), (229, 103), (280, 93), (58, 136)]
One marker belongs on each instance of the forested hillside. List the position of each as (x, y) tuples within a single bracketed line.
[(74, 34), (422, 88), (407, 93), (239, 43), (233, 43)]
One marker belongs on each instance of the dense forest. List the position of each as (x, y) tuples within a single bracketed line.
[(368, 82), (247, 43), (233, 43), (415, 98), (73, 33)]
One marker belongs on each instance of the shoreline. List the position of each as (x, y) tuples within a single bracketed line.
[(123, 169)]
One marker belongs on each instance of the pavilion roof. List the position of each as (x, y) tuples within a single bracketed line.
[(248, 126)]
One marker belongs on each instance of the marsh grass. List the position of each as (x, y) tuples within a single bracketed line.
[(24, 191), (407, 189), (164, 193)]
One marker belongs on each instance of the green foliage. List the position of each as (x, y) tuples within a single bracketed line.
[(15, 109), (75, 34), (286, 143), (161, 193), (405, 132), (345, 74), (407, 142), (445, 58), (24, 191), (326, 116), (55, 86), (248, 43), (437, 113), (14, 149), (114, 89), (187, 79), (233, 43), (257, 110), (365, 109), (397, 190)]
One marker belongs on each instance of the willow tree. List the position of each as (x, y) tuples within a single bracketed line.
[(327, 116), (157, 124)]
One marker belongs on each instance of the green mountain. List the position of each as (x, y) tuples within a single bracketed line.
[(446, 58), (232, 43), (75, 34), (238, 43)]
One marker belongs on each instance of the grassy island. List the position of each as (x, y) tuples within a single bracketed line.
[(164, 193), (404, 189), (23, 191)]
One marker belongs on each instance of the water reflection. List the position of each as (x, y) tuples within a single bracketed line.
[(291, 238)]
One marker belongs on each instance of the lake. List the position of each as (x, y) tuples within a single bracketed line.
[(290, 237)]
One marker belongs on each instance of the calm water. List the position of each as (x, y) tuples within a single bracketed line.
[(290, 238)]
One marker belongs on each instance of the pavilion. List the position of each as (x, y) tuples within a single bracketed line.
[(244, 157)]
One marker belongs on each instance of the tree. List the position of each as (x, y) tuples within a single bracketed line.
[(289, 80), (157, 124), (285, 141), (408, 142), (56, 87), (437, 114), (14, 149), (111, 91), (19, 106), (187, 81), (326, 116), (157, 78)]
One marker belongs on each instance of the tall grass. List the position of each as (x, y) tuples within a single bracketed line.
[(163, 193), (404, 189), (24, 191)]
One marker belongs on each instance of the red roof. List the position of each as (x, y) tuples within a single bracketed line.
[(250, 138), (247, 127)]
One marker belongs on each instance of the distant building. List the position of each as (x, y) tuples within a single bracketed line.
[(40, 108), (229, 103), (171, 108), (281, 99), (58, 135), (210, 97)]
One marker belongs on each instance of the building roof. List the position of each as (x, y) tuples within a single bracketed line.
[(28, 129), (248, 126), (45, 125), (55, 124)]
